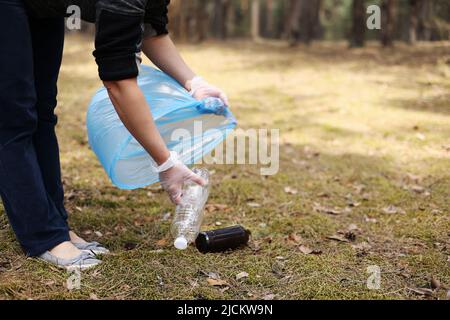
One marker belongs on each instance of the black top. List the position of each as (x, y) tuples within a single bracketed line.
[(120, 27)]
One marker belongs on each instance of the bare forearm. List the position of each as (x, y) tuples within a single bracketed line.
[(133, 110), (163, 53)]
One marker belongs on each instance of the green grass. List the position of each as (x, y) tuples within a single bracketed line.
[(361, 127)]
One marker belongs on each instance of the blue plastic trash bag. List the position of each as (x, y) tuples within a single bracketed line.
[(190, 127)]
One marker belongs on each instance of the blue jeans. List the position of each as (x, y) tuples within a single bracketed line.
[(30, 174)]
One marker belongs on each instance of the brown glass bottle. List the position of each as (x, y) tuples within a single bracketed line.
[(222, 239)]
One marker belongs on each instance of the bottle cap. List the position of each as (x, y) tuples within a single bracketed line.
[(180, 243)]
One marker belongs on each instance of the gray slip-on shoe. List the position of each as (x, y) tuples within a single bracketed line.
[(93, 247), (81, 262)]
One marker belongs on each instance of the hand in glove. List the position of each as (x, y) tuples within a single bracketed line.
[(200, 89), (173, 174)]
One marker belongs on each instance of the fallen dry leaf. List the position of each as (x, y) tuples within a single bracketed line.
[(297, 213), (371, 220), (224, 289), (162, 242), (93, 296), (337, 237), (193, 283), (435, 283), (354, 204), (269, 297), (241, 275), (255, 246), (306, 250), (359, 188), (286, 279), (290, 190), (422, 291), (417, 189), (322, 209), (49, 283), (120, 228), (348, 210), (96, 273), (323, 195), (138, 223), (365, 196), (217, 282), (391, 209), (253, 204), (98, 234), (213, 207), (413, 178), (294, 239)]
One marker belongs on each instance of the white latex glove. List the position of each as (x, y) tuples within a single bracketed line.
[(173, 178), (200, 89)]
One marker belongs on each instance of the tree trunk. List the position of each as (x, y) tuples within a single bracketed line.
[(174, 17), (309, 20), (184, 21), (424, 20), (388, 22), (414, 9), (201, 21), (231, 20), (255, 19), (292, 29), (269, 18), (357, 36), (220, 18)]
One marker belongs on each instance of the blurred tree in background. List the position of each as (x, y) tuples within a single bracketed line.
[(303, 21), (357, 34)]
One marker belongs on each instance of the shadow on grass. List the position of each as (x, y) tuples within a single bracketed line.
[(437, 104), (286, 58)]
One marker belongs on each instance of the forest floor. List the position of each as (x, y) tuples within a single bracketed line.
[(364, 181)]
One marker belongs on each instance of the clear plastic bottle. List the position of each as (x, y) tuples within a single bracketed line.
[(189, 213)]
